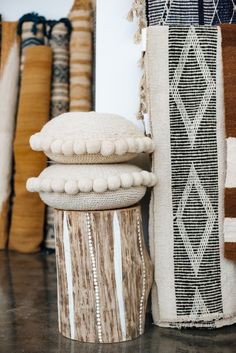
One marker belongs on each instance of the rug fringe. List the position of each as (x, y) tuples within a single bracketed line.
[(143, 106), (138, 10), (52, 23), (35, 19)]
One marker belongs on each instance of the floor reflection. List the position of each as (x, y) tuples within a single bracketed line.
[(28, 317)]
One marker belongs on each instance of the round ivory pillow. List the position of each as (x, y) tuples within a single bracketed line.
[(91, 187), (89, 138)]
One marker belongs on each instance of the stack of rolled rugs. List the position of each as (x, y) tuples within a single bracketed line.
[(46, 70), (98, 225), (190, 89)]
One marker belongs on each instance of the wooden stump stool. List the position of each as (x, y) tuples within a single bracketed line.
[(104, 274)]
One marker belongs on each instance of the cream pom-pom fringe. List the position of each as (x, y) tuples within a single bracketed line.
[(105, 148), (97, 185)]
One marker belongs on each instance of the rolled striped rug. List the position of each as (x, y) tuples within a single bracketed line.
[(194, 284), (9, 77), (229, 69), (27, 226), (31, 28), (81, 56), (190, 12), (59, 38)]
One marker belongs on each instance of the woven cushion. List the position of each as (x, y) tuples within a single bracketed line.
[(91, 187), (79, 138)]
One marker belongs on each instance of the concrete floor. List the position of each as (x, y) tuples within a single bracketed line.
[(28, 318)]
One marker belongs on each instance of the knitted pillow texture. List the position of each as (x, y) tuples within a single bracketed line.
[(90, 138), (91, 187)]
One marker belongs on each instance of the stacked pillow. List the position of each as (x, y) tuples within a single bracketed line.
[(91, 138), (89, 148)]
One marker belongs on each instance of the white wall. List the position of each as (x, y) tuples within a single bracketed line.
[(12, 10), (117, 71)]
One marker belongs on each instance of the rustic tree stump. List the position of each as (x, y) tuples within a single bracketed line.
[(104, 274)]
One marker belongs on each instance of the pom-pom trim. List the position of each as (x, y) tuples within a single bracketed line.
[(106, 148), (87, 185)]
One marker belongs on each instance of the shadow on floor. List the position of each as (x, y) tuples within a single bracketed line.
[(28, 317)]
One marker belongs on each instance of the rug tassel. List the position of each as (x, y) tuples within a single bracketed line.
[(52, 23), (31, 17), (142, 92), (138, 10)]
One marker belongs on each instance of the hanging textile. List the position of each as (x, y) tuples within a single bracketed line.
[(59, 38), (9, 76), (190, 12), (26, 233), (194, 283), (229, 69), (81, 56), (31, 28)]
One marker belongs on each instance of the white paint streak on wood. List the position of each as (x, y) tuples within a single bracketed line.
[(66, 240), (118, 272)]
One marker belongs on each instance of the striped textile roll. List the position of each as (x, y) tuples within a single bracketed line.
[(59, 37), (27, 226), (81, 56), (229, 69), (194, 284), (31, 28), (190, 12), (9, 77)]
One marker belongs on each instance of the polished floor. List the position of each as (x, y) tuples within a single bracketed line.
[(28, 318)]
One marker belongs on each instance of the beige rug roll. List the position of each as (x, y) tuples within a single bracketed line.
[(27, 226), (81, 56), (9, 77)]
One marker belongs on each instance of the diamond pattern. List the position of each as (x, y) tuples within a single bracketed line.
[(188, 12), (218, 16), (194, 165), (192, 41), (195, 257)]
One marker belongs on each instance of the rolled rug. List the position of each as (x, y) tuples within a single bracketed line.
[(9, 77), (190, 12), (81, 56), (26, 233), (194, 284), (229, 66), (59, 38), (31, 28)]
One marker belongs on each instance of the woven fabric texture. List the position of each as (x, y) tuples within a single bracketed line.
[(190, 12), (9, 77), (229, 69), (26, 233), (81, 17), (185, 86)]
